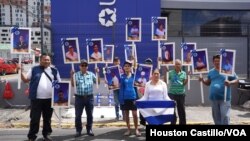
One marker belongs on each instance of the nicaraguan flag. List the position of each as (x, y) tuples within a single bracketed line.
[(156, 112)]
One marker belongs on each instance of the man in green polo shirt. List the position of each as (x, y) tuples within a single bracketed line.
[(177, 81)]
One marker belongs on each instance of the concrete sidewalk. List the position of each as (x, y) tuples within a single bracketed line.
[(105, 116)]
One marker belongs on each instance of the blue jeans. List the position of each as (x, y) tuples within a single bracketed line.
[(221, 112), (82, 102)]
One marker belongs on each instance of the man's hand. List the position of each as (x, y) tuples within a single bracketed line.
[(97, 70), (72, 72), (227, 83), (20, 67), (201, 79)]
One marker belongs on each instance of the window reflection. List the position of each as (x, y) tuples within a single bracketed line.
[(218, 23)]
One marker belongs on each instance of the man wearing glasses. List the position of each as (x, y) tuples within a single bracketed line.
[(84, 98)]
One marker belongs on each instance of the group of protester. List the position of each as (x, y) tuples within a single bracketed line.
[(42, 76)]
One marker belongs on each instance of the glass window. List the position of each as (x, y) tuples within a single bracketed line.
[(37, 33), (218, 23)]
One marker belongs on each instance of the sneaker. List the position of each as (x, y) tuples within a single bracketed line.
[(78, 134), (47, 138), (90, 133)]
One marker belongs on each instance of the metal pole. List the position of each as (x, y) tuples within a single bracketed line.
[(42, 24), (248, 51)]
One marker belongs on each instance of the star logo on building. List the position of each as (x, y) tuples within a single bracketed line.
[(107, 17)]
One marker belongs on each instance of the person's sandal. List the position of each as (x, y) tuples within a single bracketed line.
[(127, 133), (137, 133)]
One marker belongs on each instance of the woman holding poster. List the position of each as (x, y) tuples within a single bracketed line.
[(155, 89), (127, 98)]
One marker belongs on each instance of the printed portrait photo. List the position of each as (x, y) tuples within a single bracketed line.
[(168, 53), (186, 53), (61, 94), (133, 29), (112, 77), (70, 48), (130, 53), (199, 61), (20, 41), (142, 75), (95, 50), (227, 62), (159, 28), (108, 53)]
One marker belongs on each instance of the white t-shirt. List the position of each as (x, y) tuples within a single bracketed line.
[(96, 56), (73, 57), (115, 81), (156, 92), (200, 64), (44, 89), (142, 81), (159, 32), (134, 32)]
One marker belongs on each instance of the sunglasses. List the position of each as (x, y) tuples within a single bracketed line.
[(84, 65)]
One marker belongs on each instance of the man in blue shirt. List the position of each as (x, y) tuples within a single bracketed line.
[(217, 82), (84, 98)]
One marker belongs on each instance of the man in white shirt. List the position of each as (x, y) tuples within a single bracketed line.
[(96, 55), (71, 55), (41, 78)]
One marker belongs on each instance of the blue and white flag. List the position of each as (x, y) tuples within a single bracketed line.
[(156, 112)]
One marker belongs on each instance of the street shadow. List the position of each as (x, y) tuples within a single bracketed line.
[(240, 108), (110, 135), (246, 115)]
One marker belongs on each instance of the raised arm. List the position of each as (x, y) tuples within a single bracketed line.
[(25, 77)]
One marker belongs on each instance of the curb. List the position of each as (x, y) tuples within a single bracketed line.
[(101, 124)]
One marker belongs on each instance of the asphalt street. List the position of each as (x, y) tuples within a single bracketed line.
[(101, 134)]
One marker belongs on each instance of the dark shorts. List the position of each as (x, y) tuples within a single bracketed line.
[(129, 105)]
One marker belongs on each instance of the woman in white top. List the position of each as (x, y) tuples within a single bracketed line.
[(155, 89)]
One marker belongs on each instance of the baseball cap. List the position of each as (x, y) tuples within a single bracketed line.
[(148, 61), (70, 46), (84, 62)]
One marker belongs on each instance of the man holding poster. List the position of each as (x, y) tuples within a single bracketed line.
[(217, 83), (178, 79), (41, 79)]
